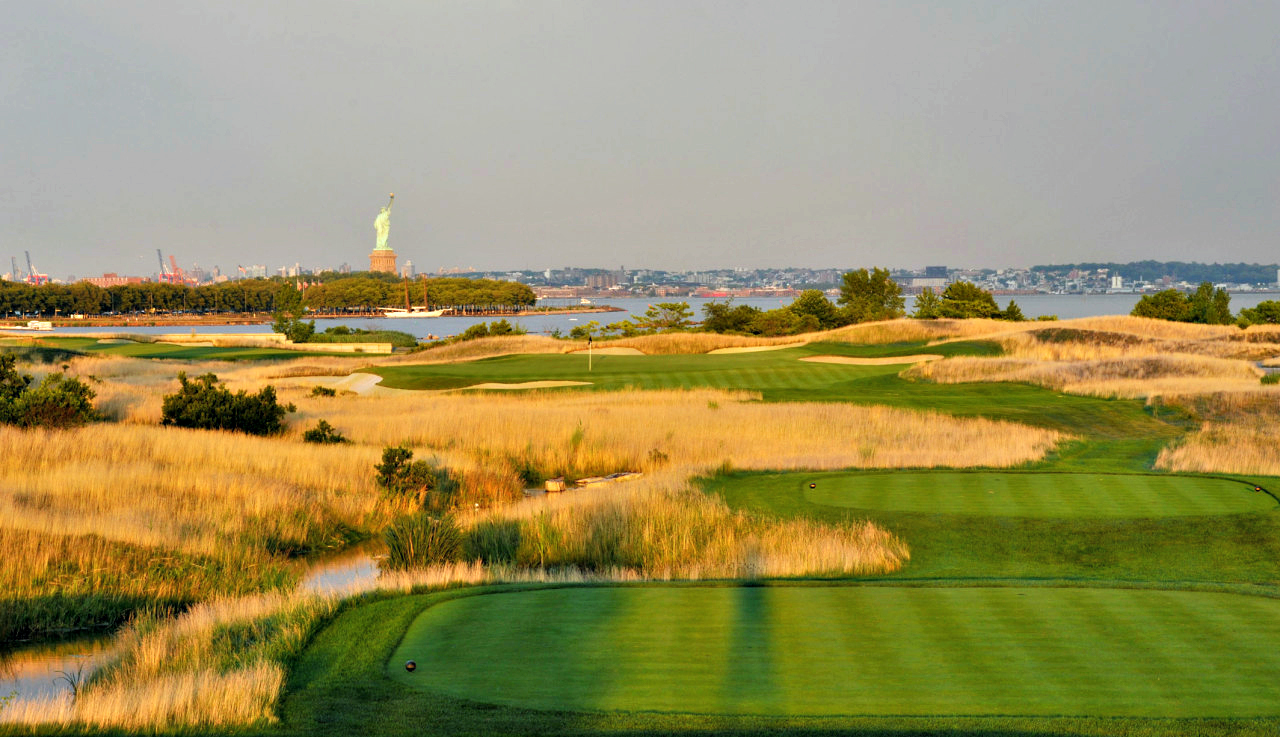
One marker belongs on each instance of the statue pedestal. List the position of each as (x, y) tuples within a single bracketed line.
[(384, 261)]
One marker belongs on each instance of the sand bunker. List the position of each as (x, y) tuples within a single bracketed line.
[(366, 385), (528, 385), (873, 361), (755, 348), (615, 351)]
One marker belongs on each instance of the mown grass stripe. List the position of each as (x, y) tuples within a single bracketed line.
[(960, 651)]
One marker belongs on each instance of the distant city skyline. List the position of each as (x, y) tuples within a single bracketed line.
[(656, 134)]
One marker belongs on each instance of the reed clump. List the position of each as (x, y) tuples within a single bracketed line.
[(664, 529), (221, 664)]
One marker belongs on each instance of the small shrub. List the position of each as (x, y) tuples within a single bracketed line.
[(323, 391), (657, 457), (207, 405), (420, 540), (323, 432), (57, 401), (428, 485), (297, 331), (1272, 378)]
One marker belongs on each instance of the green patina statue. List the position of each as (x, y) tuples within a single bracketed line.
[(383, 225)]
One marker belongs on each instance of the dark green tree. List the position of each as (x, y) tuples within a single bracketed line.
[(1169, 304), (1265, 313), (964, 299), (814, 303), (1208, 306), (1013, 312), (928, 305), (723, 317), (870, 296), (665, 316), (782, 322)]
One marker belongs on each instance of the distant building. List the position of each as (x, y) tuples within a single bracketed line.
[(1117, 282), (933, 282), (935, 272), (112, 279)]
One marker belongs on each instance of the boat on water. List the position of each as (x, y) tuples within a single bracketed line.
[(31, 325), (410, 309), (584, 301), (411, 312)]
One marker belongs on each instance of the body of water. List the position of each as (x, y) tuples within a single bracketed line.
[(1065, 306)]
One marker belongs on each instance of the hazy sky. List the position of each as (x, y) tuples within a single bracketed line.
[(648, 134)]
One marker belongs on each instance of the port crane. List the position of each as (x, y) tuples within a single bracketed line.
[(174, 273), (13, 262), (34, 277)]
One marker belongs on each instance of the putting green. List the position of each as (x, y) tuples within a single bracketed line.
[(1023, 494), (831, 650)]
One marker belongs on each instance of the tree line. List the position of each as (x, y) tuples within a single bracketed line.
[(864, 296), (1240, 273), (357, 292), (1206, 306)]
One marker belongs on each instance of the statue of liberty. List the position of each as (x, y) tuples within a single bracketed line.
[(382, 224)]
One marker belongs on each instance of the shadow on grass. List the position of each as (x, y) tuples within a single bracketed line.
[(339, 686)]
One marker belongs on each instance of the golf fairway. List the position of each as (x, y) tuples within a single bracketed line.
[(1029, 494), (847, 650)]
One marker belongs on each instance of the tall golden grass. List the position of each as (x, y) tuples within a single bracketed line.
[(662, 528), (1140, 376), (1240, 433), (590, 432), (178, 673), (189, 490), (1248, 448)]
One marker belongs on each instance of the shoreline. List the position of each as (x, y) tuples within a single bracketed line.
[(260, 318)]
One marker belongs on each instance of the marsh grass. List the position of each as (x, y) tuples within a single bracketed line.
[(63, 583), (220, 664), (1117, 375), (619, 431), (661, 528), (1239, 433)]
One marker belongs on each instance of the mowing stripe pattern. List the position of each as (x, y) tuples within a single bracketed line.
[(834, 650)]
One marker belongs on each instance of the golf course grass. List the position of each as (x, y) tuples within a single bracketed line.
[(1133, 436), (837, 650), (1082, 594), (996, 494), (171, 351), (766, 370)]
